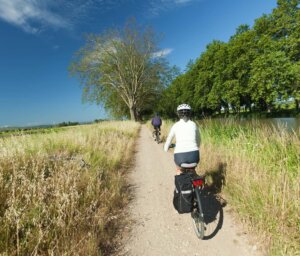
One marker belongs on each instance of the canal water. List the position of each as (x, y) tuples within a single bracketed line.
[(290, 123)]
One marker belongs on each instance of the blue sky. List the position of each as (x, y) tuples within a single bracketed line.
[(39, 37)]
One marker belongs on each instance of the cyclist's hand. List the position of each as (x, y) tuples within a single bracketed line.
[(173, 145), (170, 146)]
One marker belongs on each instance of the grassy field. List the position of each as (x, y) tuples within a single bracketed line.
[(261, 165), (61, 192)]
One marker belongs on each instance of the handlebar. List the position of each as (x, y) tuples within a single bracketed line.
[(172, 145)]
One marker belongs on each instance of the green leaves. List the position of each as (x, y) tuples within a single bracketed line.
[(270, 77), (258, 67), (118, 69)]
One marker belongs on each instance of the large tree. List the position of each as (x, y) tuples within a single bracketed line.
[(122, 69)]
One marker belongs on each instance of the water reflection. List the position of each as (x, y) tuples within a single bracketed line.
[(289, 123)]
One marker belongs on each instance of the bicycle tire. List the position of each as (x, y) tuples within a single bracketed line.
[(198, 217)]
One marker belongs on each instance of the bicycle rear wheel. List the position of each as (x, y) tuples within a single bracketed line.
[(197, 216)]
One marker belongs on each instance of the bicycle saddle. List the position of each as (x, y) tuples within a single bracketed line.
[(192, 165)]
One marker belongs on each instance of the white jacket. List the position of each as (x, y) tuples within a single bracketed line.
[(187, 137)]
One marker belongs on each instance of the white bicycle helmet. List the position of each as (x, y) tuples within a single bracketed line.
[(184, 107), (184, 111)]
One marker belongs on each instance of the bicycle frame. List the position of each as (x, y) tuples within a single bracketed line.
[(197, 191)]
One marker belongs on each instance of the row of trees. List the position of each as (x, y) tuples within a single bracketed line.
[(258, 67)]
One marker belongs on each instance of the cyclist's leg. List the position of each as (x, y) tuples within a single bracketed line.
[(157, 129), (158, 132), (178, 162), (154, 130), (178, 170)]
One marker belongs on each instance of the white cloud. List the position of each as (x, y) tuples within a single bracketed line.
[(182, 1), (162, 53), (158, 6), (56, 47), (30, 15), (35, 15)]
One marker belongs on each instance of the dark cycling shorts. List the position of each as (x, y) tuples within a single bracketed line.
[(187, 157), (156, 126)]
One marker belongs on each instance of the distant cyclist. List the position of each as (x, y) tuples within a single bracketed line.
[(156, 122), (187, 138)]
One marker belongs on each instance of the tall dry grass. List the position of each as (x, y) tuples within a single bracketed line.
[(61, 193), (262, 177)]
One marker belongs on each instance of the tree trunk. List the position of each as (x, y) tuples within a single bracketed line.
[(263, 105), (132, 114), (138, 116), (297, 102), (248, 107)]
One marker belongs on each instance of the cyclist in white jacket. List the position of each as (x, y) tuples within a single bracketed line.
[(187, 138)]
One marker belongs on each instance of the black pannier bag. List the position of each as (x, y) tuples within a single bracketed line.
[(183, 194)]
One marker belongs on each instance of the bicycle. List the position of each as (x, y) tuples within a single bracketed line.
[(156, 135), (207, 207)]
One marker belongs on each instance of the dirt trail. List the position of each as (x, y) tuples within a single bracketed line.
[(158, 229)]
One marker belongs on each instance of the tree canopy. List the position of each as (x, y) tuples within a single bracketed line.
[(256, 68), (122, 70)]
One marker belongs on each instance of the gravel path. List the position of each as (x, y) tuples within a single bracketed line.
[(158, 229)]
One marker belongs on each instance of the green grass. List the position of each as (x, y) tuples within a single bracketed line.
[(262, 177), (263, 174)]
